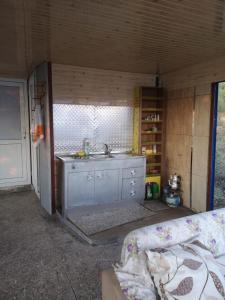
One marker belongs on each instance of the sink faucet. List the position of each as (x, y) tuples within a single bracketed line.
[(107, 150)]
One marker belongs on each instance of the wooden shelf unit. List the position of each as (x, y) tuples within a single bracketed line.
[(149, 129), (149, 143), (152, 109), (151, 122), (151, 132), (154, 154)]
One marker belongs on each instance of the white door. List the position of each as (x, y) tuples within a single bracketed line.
[(14, 134)]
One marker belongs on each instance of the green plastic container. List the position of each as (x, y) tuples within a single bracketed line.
[(155, 190)]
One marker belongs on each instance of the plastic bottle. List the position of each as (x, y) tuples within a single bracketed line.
[(86, 146), (148, 191)]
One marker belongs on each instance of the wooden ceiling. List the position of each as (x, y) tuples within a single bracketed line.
[(127, 35)]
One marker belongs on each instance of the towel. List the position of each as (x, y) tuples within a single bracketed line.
[(37, 128)]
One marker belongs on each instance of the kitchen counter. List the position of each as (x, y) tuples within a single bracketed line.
[(113, 156), (101, 179)]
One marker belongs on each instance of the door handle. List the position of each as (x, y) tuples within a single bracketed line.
[(89, 177), (133, 172), (25, 134), (132, 193)]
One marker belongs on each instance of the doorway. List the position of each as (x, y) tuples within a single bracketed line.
[(217, 197), (14, 134)]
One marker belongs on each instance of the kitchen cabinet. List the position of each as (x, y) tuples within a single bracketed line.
[(93, 187), (80, 188), (107, 186), (132, 188), (101, 181)]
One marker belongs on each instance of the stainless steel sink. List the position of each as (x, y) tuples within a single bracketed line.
[(122, 155), (69, 157), (96, 156), (89, 157), (100, 156)]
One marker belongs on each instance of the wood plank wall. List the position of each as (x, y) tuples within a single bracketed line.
[(79, 85), (179, 137), (188, 123)]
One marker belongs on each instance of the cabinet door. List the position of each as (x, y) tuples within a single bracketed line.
[(107, 186), (80, 189)]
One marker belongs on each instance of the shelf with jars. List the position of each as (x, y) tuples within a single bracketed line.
[(149, 130)]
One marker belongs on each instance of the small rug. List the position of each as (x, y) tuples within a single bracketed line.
[(155, 205), (96, 218)]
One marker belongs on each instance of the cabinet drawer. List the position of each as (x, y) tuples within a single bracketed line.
[(133, 188), (133, 172)]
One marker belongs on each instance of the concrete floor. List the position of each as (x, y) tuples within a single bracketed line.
[(39, 259)]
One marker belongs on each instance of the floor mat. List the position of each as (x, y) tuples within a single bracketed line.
[(97, 218), (155, 205)]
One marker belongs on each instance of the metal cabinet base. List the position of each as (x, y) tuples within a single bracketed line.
[(101, 181)]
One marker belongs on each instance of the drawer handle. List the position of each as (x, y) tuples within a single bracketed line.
[(133, 172), (89, 177), (73, 167), (132, 193), (133, 182)]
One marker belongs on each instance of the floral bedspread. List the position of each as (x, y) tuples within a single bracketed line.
[(132, 273)]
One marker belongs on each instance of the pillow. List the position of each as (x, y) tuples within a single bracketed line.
[(186, 271)]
